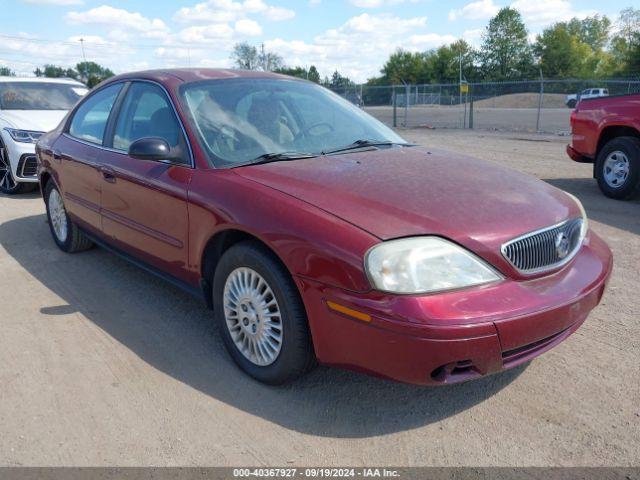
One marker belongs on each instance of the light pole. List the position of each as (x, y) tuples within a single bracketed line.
[(84, 60)]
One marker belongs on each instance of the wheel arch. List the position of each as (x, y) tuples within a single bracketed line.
[(613, 131), (217, 245)]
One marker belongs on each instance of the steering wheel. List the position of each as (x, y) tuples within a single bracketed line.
[(308, 131)]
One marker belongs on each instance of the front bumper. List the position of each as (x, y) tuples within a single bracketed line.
[(577, 156), (456, 336), (22, 158)]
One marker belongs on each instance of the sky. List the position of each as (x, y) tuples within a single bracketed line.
[(352, 36)]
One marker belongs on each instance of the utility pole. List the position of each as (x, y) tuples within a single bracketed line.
[(84, 60), (540, 99), (460, 65)]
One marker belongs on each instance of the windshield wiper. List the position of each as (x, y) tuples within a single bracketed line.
[(279, 156), (363, 143)]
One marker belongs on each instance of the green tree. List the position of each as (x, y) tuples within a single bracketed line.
[(314, 76), (269, 61), (505, 51), (248, 57), (443, 64), (92, 73), (245, 56), (561, 52), (337, 82), (7, 72), (592, 31), (625, 46), (55, 71), (403, 66), (300, 72)]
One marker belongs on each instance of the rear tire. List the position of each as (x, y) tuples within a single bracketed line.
[(618, 168), (572, 103), (247, 280), (66, 234)]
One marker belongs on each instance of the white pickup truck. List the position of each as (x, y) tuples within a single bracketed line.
[(572, 100)]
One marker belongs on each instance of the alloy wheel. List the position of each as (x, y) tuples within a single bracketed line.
[(58, 216), (6, 177), (253, 316)]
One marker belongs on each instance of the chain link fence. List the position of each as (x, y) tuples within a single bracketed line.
[(526, 106)]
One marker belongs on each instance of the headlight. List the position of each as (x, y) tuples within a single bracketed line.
[(584, 228), (24, 136), (425, 265)]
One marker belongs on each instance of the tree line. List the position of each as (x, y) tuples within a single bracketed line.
[(89, 73), (579, 48), (592, 47)]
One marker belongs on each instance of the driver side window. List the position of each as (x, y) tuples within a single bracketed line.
[(146, 112)]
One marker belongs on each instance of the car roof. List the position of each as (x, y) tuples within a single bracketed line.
[(65, 81), (188, 75)]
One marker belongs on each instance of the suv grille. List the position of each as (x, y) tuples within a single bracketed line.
[(27, 166), (544, 249)]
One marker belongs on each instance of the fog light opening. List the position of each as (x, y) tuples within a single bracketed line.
[(455, 372)]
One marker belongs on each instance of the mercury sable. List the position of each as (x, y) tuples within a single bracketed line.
[(317, 234)]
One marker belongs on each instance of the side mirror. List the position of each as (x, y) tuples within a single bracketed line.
[(151, 148)]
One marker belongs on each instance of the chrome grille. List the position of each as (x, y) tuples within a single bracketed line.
[(541, 250)]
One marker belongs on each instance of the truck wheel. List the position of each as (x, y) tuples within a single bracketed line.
[(572, 103), (618, 168)]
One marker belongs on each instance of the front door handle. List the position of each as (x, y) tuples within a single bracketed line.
[(108, 174)]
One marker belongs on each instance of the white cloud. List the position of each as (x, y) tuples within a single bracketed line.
[(480, 10), (215, 11), (55, 2), (541, 13), (248, 27), (473, 36), (378, 3), (359, 46), (115, 18)]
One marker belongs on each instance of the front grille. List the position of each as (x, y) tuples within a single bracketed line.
[(544, 249), (27, 166)]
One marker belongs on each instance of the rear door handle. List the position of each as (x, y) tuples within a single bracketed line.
[(57, 156), (108, 174)]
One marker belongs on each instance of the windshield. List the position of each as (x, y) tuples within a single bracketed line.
[(241, 119), (39, 95)]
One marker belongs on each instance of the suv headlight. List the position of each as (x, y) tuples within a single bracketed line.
[(425, 265), (24, 136)]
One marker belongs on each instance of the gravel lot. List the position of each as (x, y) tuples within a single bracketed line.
[(103, 364), (552, 120)]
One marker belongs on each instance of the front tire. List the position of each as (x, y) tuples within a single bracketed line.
[(66, 234), (260, 315), (618, 168), (572, 103)]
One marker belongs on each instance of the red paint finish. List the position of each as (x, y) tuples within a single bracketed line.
[(594, 119), (320, 216)]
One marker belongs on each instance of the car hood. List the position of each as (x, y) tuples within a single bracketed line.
[(399, 192), (35, 120)]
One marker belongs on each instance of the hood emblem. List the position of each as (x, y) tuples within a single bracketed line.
[(562, 245)]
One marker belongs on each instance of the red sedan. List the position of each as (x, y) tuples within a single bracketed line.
[(317, 234)]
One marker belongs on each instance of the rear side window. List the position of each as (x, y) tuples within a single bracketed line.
[(146, 112), (90, 120)]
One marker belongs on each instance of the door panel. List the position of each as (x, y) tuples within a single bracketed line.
[(144, 202), (78, 155), (80, 181), (144, 210)]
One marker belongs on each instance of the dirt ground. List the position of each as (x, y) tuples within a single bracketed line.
[(103, 364), (552, 120)]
